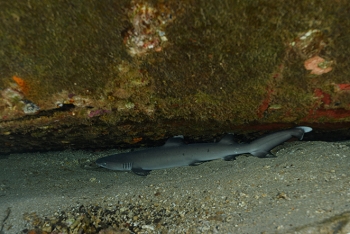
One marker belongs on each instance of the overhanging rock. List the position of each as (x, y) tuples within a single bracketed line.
[(120, 73)]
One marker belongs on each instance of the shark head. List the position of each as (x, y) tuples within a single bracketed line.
[(113, 163)]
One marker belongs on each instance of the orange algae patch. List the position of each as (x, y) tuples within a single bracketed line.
[(265, 103), (327, 113), (318, 65), (325, 98), (23, 86), (136, 140), (343, 86)]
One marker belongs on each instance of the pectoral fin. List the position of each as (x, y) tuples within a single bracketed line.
[(260, 154), (141, 172), (197, 163), (263, 154)]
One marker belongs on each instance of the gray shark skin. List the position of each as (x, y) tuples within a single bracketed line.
[(174, 153)]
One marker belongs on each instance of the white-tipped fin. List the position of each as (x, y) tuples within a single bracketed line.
[(228, 140), (179, 136), (175, 141), (305, 129)]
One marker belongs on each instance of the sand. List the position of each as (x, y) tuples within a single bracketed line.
[(305, 183)]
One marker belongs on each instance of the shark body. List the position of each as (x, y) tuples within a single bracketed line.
[(174, 153)]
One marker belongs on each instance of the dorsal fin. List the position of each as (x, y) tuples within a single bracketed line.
[(228, 140), (175, 141)]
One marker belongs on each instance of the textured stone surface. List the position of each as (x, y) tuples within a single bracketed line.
[(134, 72)]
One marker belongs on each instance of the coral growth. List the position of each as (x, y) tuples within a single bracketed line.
[(14, 103), (310, 43), (148, 27)]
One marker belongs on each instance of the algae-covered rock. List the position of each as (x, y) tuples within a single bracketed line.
[(100, 73)]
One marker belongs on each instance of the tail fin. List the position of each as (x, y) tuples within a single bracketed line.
[(263, 145)]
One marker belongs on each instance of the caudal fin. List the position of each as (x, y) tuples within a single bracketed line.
[(305, 129), (262, 146)]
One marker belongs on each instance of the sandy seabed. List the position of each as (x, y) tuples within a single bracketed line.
[(306, 183)]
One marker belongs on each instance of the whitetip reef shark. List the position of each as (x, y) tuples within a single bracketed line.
[(175, 153)]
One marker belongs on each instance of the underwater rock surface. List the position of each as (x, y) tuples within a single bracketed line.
[(120, 73)]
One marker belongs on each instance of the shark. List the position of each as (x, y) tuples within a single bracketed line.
[(175, 153)]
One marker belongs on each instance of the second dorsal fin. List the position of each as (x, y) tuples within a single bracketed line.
[(175, 141), (228, 140)]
